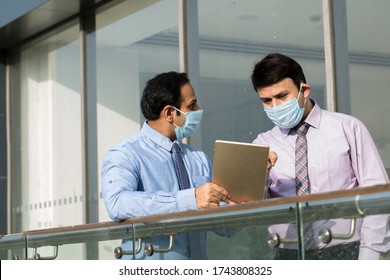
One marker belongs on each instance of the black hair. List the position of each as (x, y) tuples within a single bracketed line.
[(274, 68), (160, 91)]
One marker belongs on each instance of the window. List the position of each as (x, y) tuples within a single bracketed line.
[(46, 133), (369, 58)]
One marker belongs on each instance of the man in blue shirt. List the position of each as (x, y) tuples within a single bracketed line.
[(138, 175)]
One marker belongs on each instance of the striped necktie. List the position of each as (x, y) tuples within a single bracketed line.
[(302, 181)]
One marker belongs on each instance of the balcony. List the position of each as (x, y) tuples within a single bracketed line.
[(241, 232)]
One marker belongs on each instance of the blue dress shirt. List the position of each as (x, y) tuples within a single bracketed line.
[(138, 179)]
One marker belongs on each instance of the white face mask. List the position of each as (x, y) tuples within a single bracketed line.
[(191, 124), (288, 114)]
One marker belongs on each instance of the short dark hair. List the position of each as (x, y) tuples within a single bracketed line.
[(274, 68), (160, 91)]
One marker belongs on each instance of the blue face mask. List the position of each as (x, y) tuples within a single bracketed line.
[(190, 125), (288, 114)]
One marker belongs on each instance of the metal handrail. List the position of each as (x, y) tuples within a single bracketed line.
[(340, 204)]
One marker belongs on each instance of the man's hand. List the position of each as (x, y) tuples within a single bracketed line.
[(210, 195), (272, 158)]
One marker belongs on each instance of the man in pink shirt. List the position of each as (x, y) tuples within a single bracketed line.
[(341, 154)]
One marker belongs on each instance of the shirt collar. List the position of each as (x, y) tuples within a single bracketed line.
[(161, 140), (314, 119)]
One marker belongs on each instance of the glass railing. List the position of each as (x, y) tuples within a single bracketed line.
[(255, 230)]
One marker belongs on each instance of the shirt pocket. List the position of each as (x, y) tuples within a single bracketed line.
[(330, 173)]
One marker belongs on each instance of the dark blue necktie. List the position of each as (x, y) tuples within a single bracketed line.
[(180, 169), (184, 183)]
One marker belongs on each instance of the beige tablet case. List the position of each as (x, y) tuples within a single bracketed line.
[(241, 169)]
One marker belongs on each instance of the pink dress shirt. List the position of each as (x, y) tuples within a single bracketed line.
[(341, 155)]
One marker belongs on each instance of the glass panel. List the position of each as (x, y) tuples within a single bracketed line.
[(74, 251), (247, 243), (136, 40), (339, 223), (46, 153), (12, 247), (369, 48), (233, 36), (238, 232)]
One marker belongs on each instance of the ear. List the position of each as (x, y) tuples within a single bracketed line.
[(305, 90), (167, 113)]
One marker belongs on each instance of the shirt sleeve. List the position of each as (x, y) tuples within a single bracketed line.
[(123, 200), (368, 254), (268, 181), (366, 161), (369, 170)]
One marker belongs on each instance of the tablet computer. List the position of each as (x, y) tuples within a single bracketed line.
[(241, 168)]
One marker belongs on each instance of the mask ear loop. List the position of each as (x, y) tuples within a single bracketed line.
[(304, 99), (304, 102), (184, 113)]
